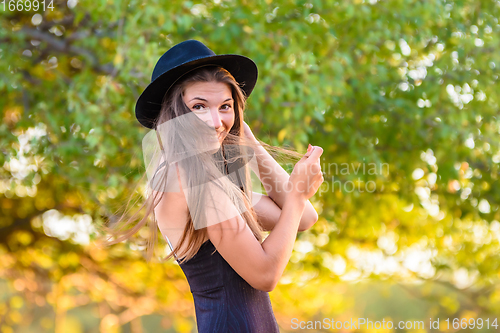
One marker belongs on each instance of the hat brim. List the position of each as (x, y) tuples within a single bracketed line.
[(148, 105)]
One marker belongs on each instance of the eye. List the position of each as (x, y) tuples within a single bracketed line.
[(226, 107), (198, 107)]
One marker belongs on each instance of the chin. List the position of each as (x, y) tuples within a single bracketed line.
[(217, 145)]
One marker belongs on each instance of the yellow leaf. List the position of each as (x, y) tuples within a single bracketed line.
[(281, 135), (118, 59), (106, 42), (16, 302), (182, 325), (38, 71)]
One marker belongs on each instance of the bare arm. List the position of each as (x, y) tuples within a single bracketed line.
[(274, 177), (268, 212), (261, 265)]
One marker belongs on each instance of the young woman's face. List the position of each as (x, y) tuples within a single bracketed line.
[(213, 103)]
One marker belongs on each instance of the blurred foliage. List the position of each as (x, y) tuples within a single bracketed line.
[(401, 94)]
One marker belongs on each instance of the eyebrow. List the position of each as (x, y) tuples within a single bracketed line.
[(202, 99)]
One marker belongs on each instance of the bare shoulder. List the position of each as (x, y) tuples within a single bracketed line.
[(172, 191), (172, 210)]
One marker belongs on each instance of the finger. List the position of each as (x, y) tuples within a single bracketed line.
[(315, 168), (315, 153), (309, 151)]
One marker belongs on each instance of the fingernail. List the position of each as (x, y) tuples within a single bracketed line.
[(309, 147)]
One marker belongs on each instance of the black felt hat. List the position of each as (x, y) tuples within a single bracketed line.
[(181, 59)]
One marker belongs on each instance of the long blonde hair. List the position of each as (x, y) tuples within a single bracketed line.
[(199, 168)]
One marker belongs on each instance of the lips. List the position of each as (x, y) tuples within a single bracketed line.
[(220, 134)]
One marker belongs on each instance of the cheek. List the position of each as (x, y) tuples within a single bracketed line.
[(230, 119), (204, 116)]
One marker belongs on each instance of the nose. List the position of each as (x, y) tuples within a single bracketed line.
[(217, 122)]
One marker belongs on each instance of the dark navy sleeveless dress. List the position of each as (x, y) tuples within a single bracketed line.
[(224, 301)]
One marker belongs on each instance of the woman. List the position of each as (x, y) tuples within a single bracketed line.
[(201, 189)]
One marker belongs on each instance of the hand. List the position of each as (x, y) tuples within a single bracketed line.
[(306, 177)]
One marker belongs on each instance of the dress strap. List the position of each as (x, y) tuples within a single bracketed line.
[(168, 240), (171, 247)]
